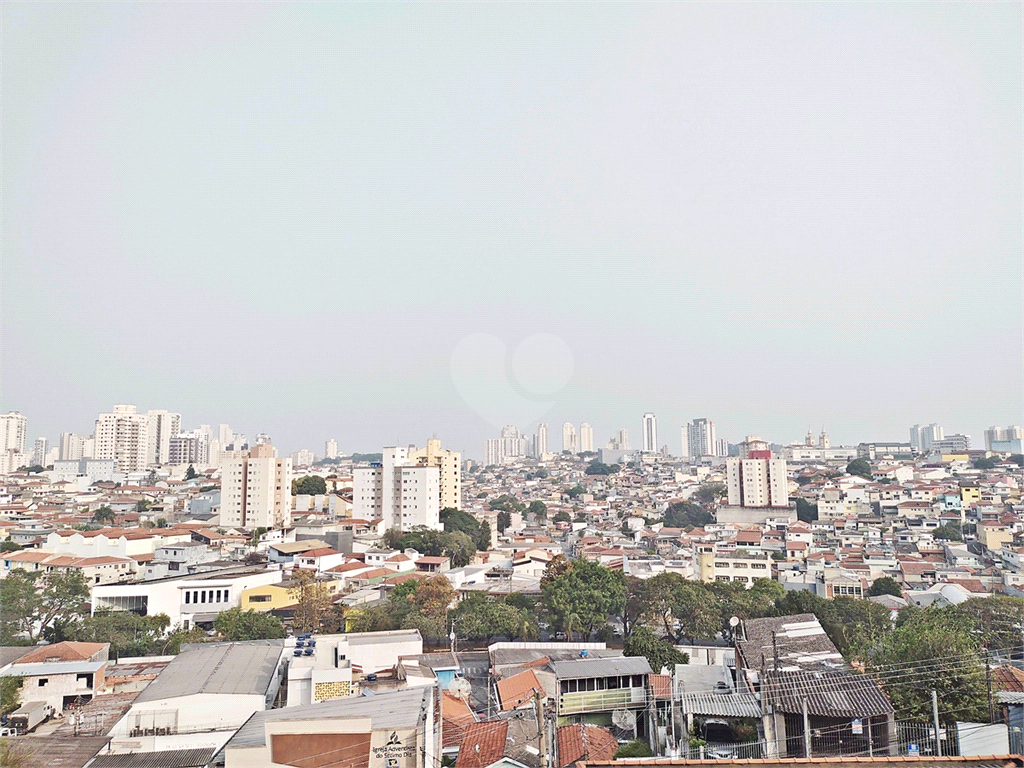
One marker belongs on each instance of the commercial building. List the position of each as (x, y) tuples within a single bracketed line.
[(1005, 439), (256, 488), (403, 493)]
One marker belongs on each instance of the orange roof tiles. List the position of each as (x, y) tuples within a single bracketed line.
[(519, 689), (483, 744), (585, 742)]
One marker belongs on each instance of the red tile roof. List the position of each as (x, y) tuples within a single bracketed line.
[(585, 742), (519, 689), (483, 744)]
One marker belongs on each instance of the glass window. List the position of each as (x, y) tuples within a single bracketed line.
[(613, 683), (203, 596), (188, 598)]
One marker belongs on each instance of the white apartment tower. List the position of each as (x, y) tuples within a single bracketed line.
[(586, 437), (540, 440), (449, 465), (569, 439), (73, 446), (163, 425), (256, 489), (404, 494), (922, 438), (331, 449), (123, 435), (13, 427), (756, 478), (700, 439), (650, 433), (39, 451)]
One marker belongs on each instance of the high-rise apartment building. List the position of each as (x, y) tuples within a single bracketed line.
[(586, 438), (540, 440), (163, 425), (449, 465), (73, 446), (331, 449), (570, 440), (701, 439), (39, 451), (1004, 439), (256, 489), (650, 433), (13, 427), (756, 478), (404, 494), (191, 447), (123, 435), (921, 438)]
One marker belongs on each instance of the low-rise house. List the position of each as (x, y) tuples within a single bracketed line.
[(62, 674)]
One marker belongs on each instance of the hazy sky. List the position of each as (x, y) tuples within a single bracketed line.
[(341, 219)]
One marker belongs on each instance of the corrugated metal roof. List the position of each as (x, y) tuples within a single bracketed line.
[(395, 709), (721, 704), (622, 665), (171, 758), (53, 668), (225, 668), (828, 694)]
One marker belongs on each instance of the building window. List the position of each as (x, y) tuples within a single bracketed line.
[(188, 598), (43, 681)]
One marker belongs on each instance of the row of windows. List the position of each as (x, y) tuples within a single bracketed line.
[(196, 596), (602, 683)]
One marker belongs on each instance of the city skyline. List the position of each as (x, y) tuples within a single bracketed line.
[(194, 218)]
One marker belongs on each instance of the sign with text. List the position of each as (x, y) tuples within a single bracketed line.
[(393, 749)]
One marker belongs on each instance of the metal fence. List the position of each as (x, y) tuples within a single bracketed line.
[(919, 739)]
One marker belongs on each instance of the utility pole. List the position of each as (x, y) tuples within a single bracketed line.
[(935, 722), (807, 731), (988, 684), (541, 725)]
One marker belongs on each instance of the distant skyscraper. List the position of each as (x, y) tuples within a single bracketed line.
[(569, 438), (162, 426), (331, 449), (1004, 440), (623, 440), (586, 437), (650, 432), (39, 452), (701, 439), (72, 446), (123, 436), (922, 438), (12, 432), (540, 446)]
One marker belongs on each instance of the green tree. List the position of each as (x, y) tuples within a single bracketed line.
[(575, 491), (457, 521), (104, 515), (929, 634), (1017, 458), (995, 620), (10, 693), (32, 602), (583, 596), (481, 616), (686, 514), (947, 532), (538, 509), (190, 473), (561, 517), (859, 467), (314, 605), (128, 633), (985, 463), (806, 511), (456, 546), (504, 521), (710, 495), (9, 546), (312, 485), (507, 503), (660, 654), (885, 585), (599, 468), (634, 748), (236, 624)]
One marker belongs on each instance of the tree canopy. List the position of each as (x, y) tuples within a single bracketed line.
[(947, 532), (687, 514), (859, 467), (33, 602), (238, 624), (885, 585), (455, 545), (312, 485), (455, 520), (599, 468), (580, 595), (643, 642)]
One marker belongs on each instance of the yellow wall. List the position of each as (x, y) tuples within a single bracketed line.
[(279, 598)]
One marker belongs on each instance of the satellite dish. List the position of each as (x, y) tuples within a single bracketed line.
[(624, 719), (460, 687), (734, 621)]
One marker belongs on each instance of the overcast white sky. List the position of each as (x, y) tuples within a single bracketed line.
[(294, 217)]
